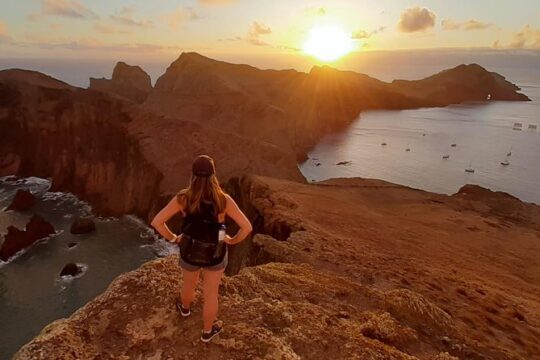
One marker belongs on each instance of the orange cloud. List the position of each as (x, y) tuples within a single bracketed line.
[(65, 8), (106, 29), (217, 2), (362, 34), (255, 31), (466, 25), (416, 19), (4, 34), (180, 16), (527, 38), (124, 16)]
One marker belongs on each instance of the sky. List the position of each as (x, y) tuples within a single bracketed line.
[(247, 29)]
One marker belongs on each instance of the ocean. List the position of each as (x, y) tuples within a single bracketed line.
[(32, 294), (483, 134)]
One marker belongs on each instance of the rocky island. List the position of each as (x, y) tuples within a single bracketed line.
[(373, 271)]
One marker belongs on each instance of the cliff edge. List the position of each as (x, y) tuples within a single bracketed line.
[(375, 271)]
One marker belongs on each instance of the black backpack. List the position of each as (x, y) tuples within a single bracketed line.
[(199, 244)]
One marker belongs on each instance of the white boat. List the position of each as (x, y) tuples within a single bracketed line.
[(488, 97)]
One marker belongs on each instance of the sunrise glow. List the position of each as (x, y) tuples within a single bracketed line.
[(328, 43)]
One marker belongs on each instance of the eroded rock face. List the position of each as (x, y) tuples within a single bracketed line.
[(16, 240), (128, 81), (23, 200), (82, 225)]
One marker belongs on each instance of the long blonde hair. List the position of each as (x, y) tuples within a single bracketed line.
[(202, 188)]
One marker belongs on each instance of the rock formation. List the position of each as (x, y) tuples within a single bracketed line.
[(16, 240), (93, 143), (23, 200), (82, 225), (375, 271), (130, 82), (71, 269)]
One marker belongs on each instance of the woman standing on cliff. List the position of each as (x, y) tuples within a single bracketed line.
[(204, 206)]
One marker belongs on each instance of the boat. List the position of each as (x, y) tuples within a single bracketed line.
[(505, 162), (488, 97), (517, 126), (446, 156), (383, 143), (533, 126), (509, 153), (453, 145), (469, 169), (408, 148)]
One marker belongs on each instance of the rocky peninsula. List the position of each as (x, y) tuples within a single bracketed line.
[(354, 268)]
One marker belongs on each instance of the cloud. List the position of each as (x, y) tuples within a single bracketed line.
[(527, 38), (257, 29), (362, 34), (416, 19), (466, 25), (107, 29), (4, 34), (55, 26), (41, 41), (125, 17), (217, 2), (316, 11), (64, 8), (180, 16)]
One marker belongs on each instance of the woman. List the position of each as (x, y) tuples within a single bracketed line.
[(203, 196)]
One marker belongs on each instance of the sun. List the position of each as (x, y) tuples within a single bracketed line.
[(328, 43)]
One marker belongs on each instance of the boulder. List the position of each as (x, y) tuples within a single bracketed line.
[(82, 225), (71, 269), (16, 240), (22, 201)]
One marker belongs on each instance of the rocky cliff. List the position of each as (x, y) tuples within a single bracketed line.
[(127, 81), (110, 152), (375, 271), (124, 134), (294, 109)]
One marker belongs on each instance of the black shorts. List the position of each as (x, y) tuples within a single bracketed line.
[(189, 267)]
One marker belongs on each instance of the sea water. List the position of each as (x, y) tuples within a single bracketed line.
[(32, 294), (483, 135)]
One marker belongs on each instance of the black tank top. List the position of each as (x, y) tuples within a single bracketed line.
[(202, 225)]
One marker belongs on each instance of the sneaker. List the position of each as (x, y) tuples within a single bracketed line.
[(183, 311), (207, 336)]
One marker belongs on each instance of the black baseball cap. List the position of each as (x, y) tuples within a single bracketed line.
[(203, 166)]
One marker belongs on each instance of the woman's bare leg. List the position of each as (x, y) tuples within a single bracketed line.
[(191, 278), (211, 282)]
